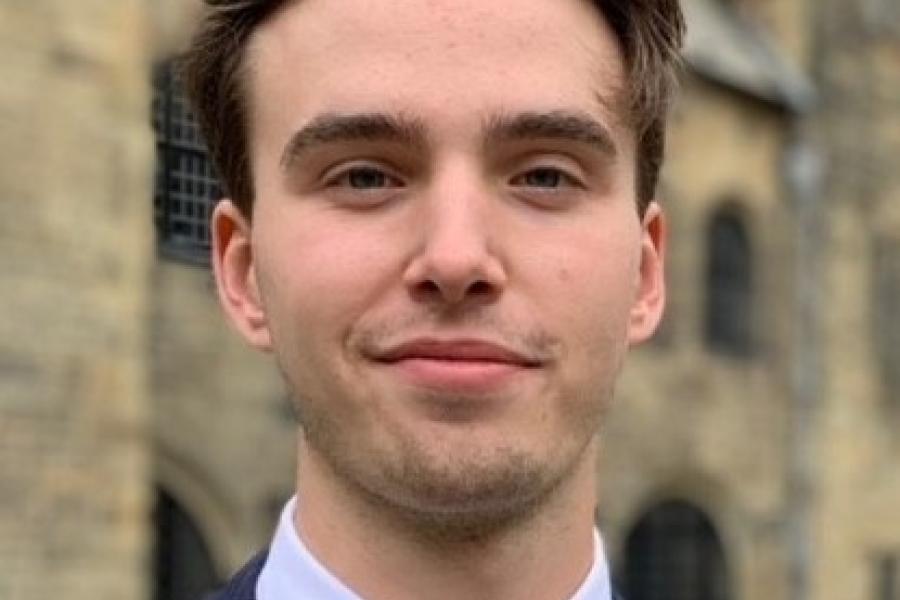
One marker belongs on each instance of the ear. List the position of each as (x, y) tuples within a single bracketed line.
[(235, 273), (650, 300)]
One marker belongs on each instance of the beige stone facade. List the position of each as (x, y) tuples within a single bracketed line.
[(75, 253), (119, 379)]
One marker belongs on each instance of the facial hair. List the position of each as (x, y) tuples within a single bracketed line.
[(441, 494)]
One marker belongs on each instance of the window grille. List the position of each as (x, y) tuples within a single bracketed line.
[(674, 553), (729, 286), (187, 186), (183, 567)]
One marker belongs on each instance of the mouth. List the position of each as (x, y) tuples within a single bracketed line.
[(467, 366)]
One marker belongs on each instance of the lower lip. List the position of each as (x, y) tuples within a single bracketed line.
[(460, 376)]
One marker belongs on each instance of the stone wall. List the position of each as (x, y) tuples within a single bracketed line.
[(859, 125), (75, 253), (690, 423), (118, 374), (222, 427)]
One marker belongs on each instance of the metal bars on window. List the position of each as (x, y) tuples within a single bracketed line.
[(187, 186)]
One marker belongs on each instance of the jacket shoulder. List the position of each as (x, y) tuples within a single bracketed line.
[(242, 586)]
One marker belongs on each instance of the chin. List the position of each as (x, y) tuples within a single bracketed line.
[(448, 479), (464, 493), (465, 501)]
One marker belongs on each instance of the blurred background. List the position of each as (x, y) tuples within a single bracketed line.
[(752, 453)]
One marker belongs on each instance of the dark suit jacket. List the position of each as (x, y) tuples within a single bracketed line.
[(243, 585)]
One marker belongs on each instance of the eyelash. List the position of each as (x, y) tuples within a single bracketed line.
[(339, 180), (565, 179), (342, 177)]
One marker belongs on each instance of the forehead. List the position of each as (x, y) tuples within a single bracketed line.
[(442, 58)]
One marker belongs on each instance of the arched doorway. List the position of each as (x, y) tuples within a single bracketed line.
[(183, 566), (674, 553)]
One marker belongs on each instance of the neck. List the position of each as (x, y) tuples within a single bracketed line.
[(546, 554)]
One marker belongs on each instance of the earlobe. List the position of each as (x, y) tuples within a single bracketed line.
[(235, 274), (650, 300)]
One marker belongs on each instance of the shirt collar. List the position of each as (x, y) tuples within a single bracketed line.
[(292, 570)]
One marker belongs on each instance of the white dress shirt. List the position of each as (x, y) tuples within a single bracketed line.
[(292, 572)]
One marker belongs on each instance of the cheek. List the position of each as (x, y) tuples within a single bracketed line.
[(592, 293), (318, 278)]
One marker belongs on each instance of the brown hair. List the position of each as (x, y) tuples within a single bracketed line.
[(650, 33)]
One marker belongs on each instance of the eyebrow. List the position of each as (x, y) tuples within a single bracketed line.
[(553, 125), (383, 127), (337, 128)]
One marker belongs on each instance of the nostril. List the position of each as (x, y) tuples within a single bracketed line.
[(431, 289), (428, 287), (480, 288)]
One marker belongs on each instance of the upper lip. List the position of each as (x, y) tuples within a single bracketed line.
[(466, 349)]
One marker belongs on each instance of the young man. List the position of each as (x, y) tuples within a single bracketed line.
[(441, 222)]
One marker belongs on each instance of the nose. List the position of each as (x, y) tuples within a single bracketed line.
[(456, 260)]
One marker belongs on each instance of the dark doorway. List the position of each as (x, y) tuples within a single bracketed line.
[(674, 553), (183, 566)]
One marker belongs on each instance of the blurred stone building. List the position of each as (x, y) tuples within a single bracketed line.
[(751, 455)]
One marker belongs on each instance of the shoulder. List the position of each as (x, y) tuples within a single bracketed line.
[(242, 586)]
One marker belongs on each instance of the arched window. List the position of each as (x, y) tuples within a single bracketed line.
[(885, 326), (183, 566), (186, 184), (729, 286), (674, 553)]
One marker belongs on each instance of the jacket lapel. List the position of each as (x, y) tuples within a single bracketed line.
[(243, 585)]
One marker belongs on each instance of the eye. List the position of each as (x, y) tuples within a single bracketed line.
[(548, 178), (552, 181), (361, 184), (365, 178), (545, 178)]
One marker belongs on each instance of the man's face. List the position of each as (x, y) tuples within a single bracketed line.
[(445, 253)]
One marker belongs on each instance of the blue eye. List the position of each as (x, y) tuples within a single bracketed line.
[(548, 178), (361, 185), (364, 178)]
